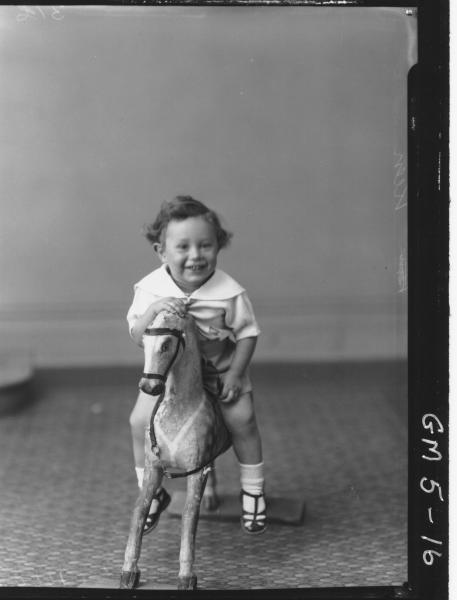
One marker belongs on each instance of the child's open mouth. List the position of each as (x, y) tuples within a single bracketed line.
[(196, 268)]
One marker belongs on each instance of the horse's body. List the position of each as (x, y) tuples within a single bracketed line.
[(187, 432)]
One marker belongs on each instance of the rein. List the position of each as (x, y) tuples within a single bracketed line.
[(181, 341), (154, 446)]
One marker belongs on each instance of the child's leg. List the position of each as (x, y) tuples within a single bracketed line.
[(241, 421), (140, 418), (139, 422)]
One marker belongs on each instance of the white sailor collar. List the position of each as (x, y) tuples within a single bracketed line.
[(219, 287)]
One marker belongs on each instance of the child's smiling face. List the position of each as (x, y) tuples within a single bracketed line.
[(190, 250)]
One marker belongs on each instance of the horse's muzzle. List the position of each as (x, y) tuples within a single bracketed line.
[(153, 388)]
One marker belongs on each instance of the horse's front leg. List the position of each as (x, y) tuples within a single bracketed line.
[(195, 487), (210, 497), (130, 575)]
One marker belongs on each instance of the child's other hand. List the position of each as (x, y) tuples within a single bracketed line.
[(231, 388), (175, 305)]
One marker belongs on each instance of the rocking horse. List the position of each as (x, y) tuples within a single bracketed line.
[(187, 432)]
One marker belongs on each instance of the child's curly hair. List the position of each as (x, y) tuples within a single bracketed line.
[(178, 209)]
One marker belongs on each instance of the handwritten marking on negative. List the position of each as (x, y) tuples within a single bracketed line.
[(402, 273), (34, 13), (400, 183), (429, 486)]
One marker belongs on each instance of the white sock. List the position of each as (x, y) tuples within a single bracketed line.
[(252, 481), (155, 503), (139, 476)]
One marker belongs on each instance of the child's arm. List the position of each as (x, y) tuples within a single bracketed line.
[(241, 359), (141, 323)]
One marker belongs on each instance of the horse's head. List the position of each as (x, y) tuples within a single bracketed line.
[(162, 344)]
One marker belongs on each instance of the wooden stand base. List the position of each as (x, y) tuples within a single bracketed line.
[(288, 511)]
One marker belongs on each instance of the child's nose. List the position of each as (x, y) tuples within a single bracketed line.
[(194, 252)]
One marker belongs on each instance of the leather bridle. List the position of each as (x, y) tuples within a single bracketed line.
[(181, 342), (154, 446)]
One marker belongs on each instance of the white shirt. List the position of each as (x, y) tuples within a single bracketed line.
[(221, 308)]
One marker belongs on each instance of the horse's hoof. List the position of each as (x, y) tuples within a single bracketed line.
[(187, 583), (210, 503), (129, 579)]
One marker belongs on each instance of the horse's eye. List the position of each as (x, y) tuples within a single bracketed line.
[(165, 346)]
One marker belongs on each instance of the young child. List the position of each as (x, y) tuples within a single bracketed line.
[(187, 236)]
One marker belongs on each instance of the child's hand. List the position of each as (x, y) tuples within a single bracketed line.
[(175, 305), (142, 322), (231, 388)]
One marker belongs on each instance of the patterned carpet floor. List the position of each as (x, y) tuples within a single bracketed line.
[(334, 436)]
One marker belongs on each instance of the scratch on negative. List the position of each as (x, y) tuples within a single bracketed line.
[(439, 171)]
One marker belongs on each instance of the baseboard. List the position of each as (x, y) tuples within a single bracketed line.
[(69, 337)]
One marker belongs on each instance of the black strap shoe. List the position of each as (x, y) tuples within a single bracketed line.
[(152, 519), (253, 522)]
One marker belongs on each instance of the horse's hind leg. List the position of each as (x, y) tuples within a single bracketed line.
[(210, 498), (195, 487), (130, 574)]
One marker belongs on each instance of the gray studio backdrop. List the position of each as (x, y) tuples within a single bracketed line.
[(289, 121)]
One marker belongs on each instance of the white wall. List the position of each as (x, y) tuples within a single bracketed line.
[(289, 121)]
